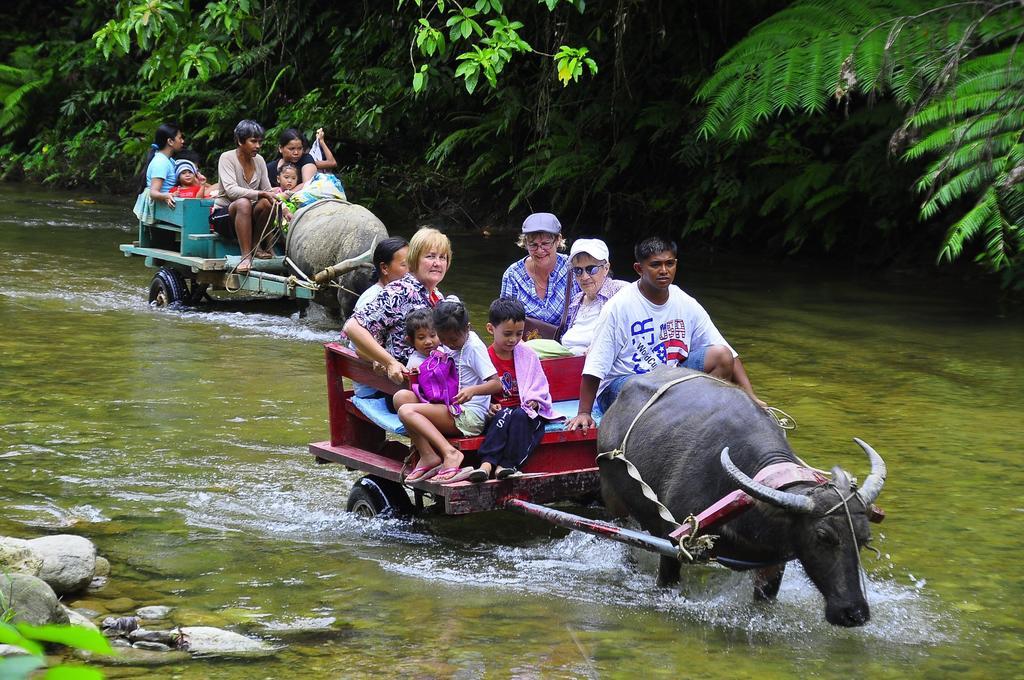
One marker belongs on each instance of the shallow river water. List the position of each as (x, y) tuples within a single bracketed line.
[(176, 441)]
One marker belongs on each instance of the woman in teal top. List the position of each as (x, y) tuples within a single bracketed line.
[(160, 175)]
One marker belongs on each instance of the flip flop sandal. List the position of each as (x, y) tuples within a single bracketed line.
[(505, 473), (477, 476), (422, 473), (458, 476)]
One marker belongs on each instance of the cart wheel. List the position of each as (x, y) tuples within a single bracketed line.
[(372, 496), (168, 288)]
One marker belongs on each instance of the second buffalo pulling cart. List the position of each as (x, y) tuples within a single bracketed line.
[(562, 468)]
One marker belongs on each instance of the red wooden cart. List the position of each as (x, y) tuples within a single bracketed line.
[(562, 468)]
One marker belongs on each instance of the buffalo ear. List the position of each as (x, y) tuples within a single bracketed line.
[(841, 480)]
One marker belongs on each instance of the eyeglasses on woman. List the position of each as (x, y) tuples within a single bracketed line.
[(545, 244)]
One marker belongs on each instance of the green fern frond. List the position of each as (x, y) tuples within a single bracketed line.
[(974, 222), (956, 187), (957, 107)]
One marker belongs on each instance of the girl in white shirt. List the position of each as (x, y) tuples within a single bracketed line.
[(430, 425)]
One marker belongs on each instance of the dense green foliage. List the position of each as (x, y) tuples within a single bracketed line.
[(953, 69), (476, 113)]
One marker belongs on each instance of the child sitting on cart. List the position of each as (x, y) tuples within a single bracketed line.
[(518, 425), (419, 331), (191, 183), (429, 425)]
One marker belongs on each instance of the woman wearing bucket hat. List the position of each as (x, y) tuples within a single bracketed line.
[(541, 280), (588, 258)]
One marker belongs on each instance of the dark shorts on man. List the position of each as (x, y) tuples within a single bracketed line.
[(222, 222), (695, 361)]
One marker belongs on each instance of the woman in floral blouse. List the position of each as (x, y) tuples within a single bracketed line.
[(378, 329)]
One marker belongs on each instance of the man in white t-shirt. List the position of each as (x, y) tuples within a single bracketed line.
[(649, 323)]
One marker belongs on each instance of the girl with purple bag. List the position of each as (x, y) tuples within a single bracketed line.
[(430, 424)]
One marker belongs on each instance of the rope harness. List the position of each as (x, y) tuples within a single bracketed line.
[(844, 502), (692, 546), (273, 228)]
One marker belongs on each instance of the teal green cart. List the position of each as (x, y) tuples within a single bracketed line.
[(191, 259)]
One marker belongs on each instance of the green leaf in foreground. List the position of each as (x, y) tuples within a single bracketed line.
[(73, 673), (70, 636), (9, 635)]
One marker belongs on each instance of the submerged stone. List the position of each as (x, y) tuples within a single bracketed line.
[(154, 612), (130, 656), (165, 637), (121, 604), (204, 640), (77, 619), (151, 646)]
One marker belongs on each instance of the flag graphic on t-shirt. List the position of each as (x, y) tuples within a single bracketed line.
[(675, 350)]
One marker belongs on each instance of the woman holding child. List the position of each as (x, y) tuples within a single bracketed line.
[(293, 151), (160, 171), (378, 330)]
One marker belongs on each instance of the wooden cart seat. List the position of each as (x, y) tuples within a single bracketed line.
[(377, 412)]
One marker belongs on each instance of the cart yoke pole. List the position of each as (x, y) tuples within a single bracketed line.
[(567, 520)]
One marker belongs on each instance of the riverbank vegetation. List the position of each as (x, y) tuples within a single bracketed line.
[(887, 133)]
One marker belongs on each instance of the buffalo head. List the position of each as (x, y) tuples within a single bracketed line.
[(828, 526), (352, 284)]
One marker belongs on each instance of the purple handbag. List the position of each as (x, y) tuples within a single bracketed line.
[(438, 381)]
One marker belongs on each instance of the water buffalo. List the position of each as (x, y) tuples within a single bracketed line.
[(703, 439), (329, 232)]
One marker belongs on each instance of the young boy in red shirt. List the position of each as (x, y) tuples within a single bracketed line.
[(516, 429)]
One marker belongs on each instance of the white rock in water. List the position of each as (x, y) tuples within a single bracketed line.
[(154, 612), (76, 619), (69, 562), (17, 555), (12, 650), (209, 640)]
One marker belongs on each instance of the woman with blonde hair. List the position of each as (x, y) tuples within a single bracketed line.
[(540, 280), (378, 330)]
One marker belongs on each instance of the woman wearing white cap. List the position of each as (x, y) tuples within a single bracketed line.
[(589, 266), (540, 279)]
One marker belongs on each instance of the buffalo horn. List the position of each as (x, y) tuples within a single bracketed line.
[(345, 266), (872, 486), (787, 501)]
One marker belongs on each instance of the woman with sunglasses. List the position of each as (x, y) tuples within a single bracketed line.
[(539, 280), (589, 265)]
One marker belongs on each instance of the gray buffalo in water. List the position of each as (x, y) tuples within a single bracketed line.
[(703, 439), (334, 233)]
